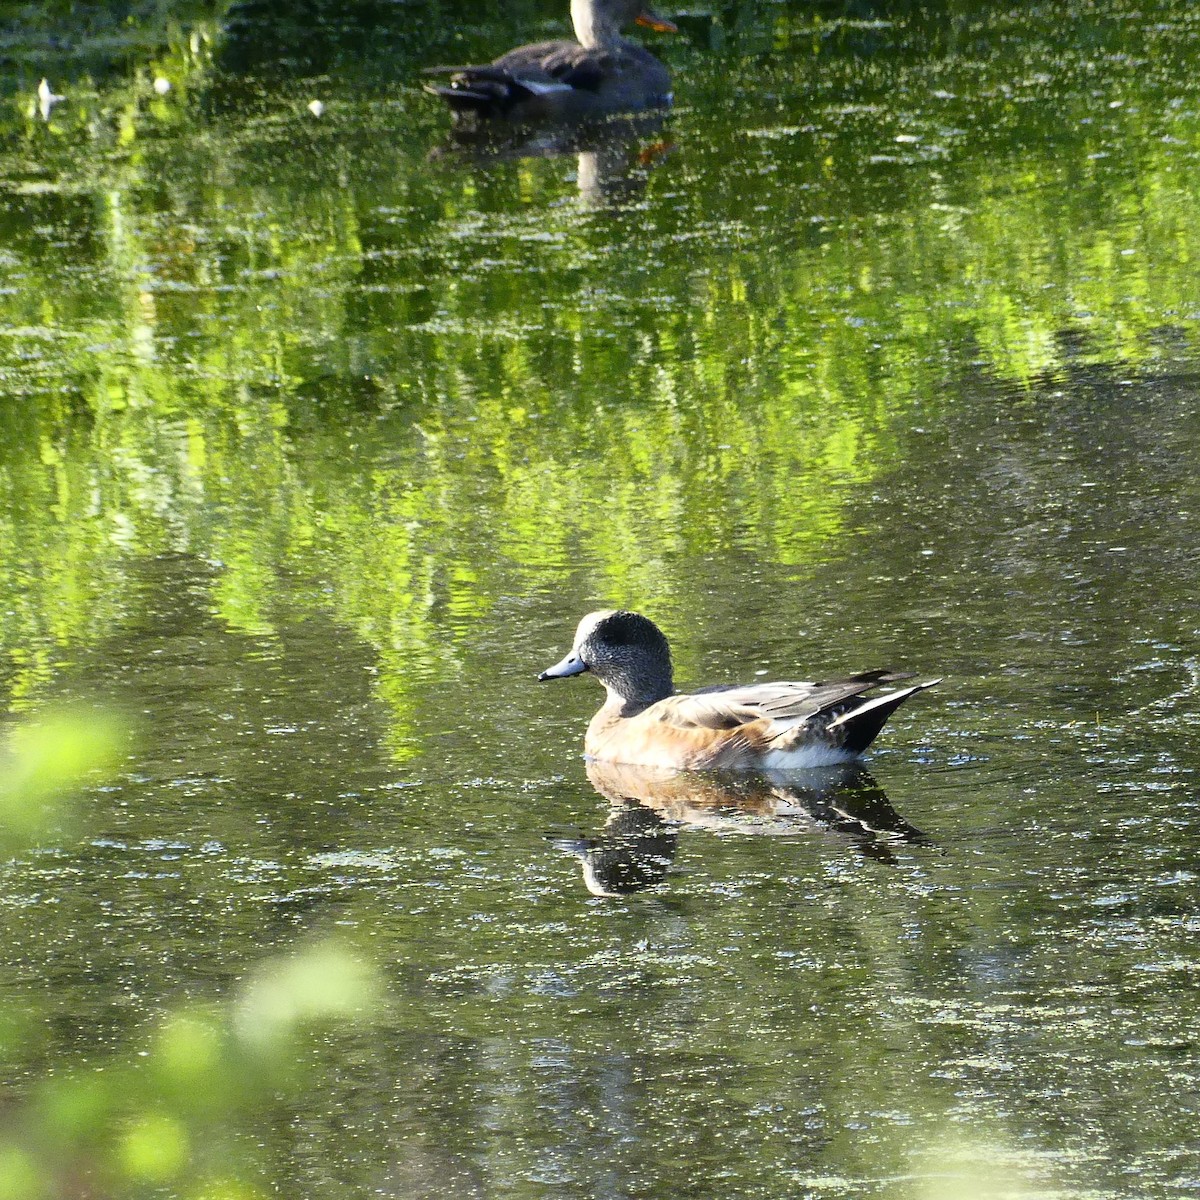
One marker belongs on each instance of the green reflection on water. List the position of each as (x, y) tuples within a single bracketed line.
[(274, 343)]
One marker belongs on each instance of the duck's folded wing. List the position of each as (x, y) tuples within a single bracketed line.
[(538, 68), (563, 63), (787, 701), (579, 68)]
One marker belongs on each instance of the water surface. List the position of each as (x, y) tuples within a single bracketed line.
[(319, 437)]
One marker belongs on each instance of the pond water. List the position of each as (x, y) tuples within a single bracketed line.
[(319, 436)]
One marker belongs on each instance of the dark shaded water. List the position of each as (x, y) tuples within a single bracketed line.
[(882, 351)]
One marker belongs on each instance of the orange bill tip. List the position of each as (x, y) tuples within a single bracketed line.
[(655, 22)]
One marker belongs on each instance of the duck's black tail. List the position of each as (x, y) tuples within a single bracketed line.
[(859, 726), (483, 93)]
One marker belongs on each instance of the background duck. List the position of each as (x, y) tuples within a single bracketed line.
[(599, 74), (759, 726)]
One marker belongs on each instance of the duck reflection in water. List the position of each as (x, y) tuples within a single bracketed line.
[(651, 805), (614, 157)]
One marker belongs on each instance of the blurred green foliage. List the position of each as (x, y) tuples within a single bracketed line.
[(174, 1112), (42, 760)]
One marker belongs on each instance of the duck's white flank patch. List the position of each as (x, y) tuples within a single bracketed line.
[(813, 755), (538, 88)]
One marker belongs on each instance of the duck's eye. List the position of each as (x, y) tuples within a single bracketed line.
[(622, 630)]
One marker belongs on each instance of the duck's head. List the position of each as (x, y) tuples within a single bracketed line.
[(625, 651), (599, 22)]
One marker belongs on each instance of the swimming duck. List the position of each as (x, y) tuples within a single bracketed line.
[(599, 74), (762, 726)]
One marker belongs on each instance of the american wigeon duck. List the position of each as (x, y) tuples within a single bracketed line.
[(600, 74), (760, 726)]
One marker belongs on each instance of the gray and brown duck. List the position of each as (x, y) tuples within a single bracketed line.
[(760, 726), (600, 74)]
